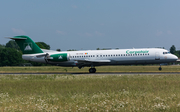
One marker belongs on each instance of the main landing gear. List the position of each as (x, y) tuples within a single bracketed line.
[(92, 70)]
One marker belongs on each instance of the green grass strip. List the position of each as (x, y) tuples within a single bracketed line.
[(90, 93)]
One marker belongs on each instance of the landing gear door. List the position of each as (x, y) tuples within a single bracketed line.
[(157, 57)]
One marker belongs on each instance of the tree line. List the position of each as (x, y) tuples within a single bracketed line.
[(174, 51), (11, 55)]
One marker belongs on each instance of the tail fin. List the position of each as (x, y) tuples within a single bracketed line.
[(26, 45)]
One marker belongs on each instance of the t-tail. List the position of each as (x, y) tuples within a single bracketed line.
[(26, 45)]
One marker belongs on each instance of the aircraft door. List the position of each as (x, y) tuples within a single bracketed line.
[(157, 56), (69, 56)]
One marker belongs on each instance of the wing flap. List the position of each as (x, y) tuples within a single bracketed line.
[(94, 61)]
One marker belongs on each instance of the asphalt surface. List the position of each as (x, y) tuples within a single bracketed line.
[(112, 73)]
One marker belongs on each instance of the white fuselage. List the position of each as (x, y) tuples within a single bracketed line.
[(110, 57)]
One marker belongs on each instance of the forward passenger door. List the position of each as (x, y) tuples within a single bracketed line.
[(157, 56)]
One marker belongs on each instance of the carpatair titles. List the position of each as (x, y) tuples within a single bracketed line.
[(135, 52)]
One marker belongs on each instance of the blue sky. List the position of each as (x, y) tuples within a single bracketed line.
[(82, 24)]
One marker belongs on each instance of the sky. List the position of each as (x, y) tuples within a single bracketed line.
[(92, 24)]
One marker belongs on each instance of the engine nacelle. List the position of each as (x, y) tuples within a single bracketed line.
[(59, 57)]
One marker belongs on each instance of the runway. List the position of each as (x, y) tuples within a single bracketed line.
[(102, 73)]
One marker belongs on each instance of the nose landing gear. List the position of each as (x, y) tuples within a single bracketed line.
[(92, 70), (160, 68)]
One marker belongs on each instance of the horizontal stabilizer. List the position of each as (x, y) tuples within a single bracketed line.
[(16, 38)]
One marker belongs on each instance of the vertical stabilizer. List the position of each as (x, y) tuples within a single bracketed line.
[(26, 45)]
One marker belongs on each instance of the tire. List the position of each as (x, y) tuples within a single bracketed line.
[(92, 70), (160, 68)]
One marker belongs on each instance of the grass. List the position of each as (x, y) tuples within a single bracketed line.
[(90, 93), (56, 69)]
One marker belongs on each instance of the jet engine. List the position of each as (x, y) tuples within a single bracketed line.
[(61, 57)]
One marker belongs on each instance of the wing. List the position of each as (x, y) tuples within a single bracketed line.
[(93, 61), (86, 62)]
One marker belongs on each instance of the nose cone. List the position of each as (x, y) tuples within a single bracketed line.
[(174, 57)]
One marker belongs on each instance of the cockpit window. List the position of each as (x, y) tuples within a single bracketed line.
[(166, 53)]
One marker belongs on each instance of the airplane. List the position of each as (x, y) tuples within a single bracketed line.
[(92, 58)]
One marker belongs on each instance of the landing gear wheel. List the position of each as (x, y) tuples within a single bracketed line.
[(160, 68), (92, 70)]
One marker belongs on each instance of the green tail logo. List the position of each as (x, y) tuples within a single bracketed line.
[(26, 45)]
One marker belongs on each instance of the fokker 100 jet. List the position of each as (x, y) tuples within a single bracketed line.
[(92, 58)]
